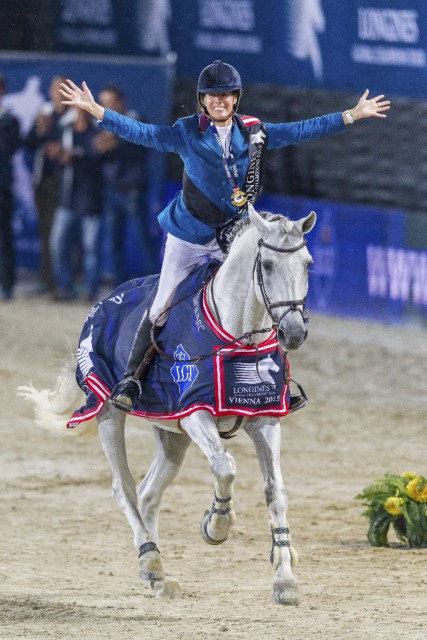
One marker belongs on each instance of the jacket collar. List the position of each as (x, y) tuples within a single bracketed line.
[(237, 141)]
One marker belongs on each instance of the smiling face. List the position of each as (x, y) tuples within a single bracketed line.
[(220, 106)]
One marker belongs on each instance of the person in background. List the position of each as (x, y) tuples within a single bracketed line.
[(125, 199), (77, 219), (9, 143), (43, 140), (222, 153)]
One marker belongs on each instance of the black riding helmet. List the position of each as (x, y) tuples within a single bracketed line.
[(219, 77)]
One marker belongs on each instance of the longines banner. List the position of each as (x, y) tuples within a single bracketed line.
[(127, 27), (351, 45), (333, 44)]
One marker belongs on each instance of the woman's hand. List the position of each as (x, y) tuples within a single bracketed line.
[(81, 98), (372, 108)]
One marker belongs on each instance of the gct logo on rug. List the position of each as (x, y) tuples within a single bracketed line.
[(184, 373)]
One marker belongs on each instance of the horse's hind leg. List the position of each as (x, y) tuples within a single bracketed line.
[(202, 429), (111, 432), (170, 454), (266, 435)]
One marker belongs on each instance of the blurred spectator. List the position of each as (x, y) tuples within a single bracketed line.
[(9, 142), (125, 173), (43, 139), (77, 219)]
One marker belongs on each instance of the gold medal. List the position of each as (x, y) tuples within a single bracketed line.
[(239, 198)]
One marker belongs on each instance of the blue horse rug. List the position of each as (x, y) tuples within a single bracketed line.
[(239, 380)]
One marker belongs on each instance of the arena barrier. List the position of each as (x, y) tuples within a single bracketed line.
[(369, 263)]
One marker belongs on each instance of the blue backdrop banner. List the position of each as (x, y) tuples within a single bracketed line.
[(364, 266), (330, 44), (351, 45)]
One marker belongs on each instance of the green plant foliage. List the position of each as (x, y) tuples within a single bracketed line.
[(399, 501)]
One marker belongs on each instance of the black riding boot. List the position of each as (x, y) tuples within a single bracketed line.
[(126, 394)]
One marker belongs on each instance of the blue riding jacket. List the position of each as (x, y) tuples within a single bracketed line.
[(202, 157)]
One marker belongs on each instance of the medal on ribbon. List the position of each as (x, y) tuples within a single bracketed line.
[(238, 198)]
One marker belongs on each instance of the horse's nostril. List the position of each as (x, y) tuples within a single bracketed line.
[(281, 334), (293, 343), (290, 342)]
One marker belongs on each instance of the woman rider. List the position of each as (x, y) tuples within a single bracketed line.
[(222, 154)]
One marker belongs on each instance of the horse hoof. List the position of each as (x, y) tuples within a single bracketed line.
[(204, 531), (151, 567), (285, 592), (167, 588)]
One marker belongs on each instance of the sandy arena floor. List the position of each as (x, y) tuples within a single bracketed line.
[(68, 567)]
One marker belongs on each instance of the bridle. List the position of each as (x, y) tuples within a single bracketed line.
[(293, 305)]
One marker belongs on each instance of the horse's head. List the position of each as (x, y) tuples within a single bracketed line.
[(281, 273)]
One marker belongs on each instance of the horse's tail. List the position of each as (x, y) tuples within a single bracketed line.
[(53, 407)]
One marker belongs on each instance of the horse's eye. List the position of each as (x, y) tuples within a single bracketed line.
[(267, 265)]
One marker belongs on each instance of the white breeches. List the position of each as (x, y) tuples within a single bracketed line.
[(180, 258)]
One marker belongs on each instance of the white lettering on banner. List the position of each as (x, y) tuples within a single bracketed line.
[(389, 56), (398, 274), (235, 15), (377, 271), (90, 12), (228, 42), (87, 36), (390, 25), (419, 283)]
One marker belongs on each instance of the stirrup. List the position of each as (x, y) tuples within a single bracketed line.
[(297, 400), (126, 394)]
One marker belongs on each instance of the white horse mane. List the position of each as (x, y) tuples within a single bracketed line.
[(243, 225)]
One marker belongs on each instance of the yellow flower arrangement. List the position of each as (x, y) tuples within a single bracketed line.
[(417, 489), (408, 475), (399, 501), (394, 505)]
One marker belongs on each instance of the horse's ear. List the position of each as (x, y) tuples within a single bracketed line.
[(306, 224), (257, 220)]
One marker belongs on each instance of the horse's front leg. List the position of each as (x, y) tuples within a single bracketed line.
[(216, 523), (265, 433), (111, 424)]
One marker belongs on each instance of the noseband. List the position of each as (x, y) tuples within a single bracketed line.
[(293, 305)]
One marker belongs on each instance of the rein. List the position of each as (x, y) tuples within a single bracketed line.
[(245, 336)]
